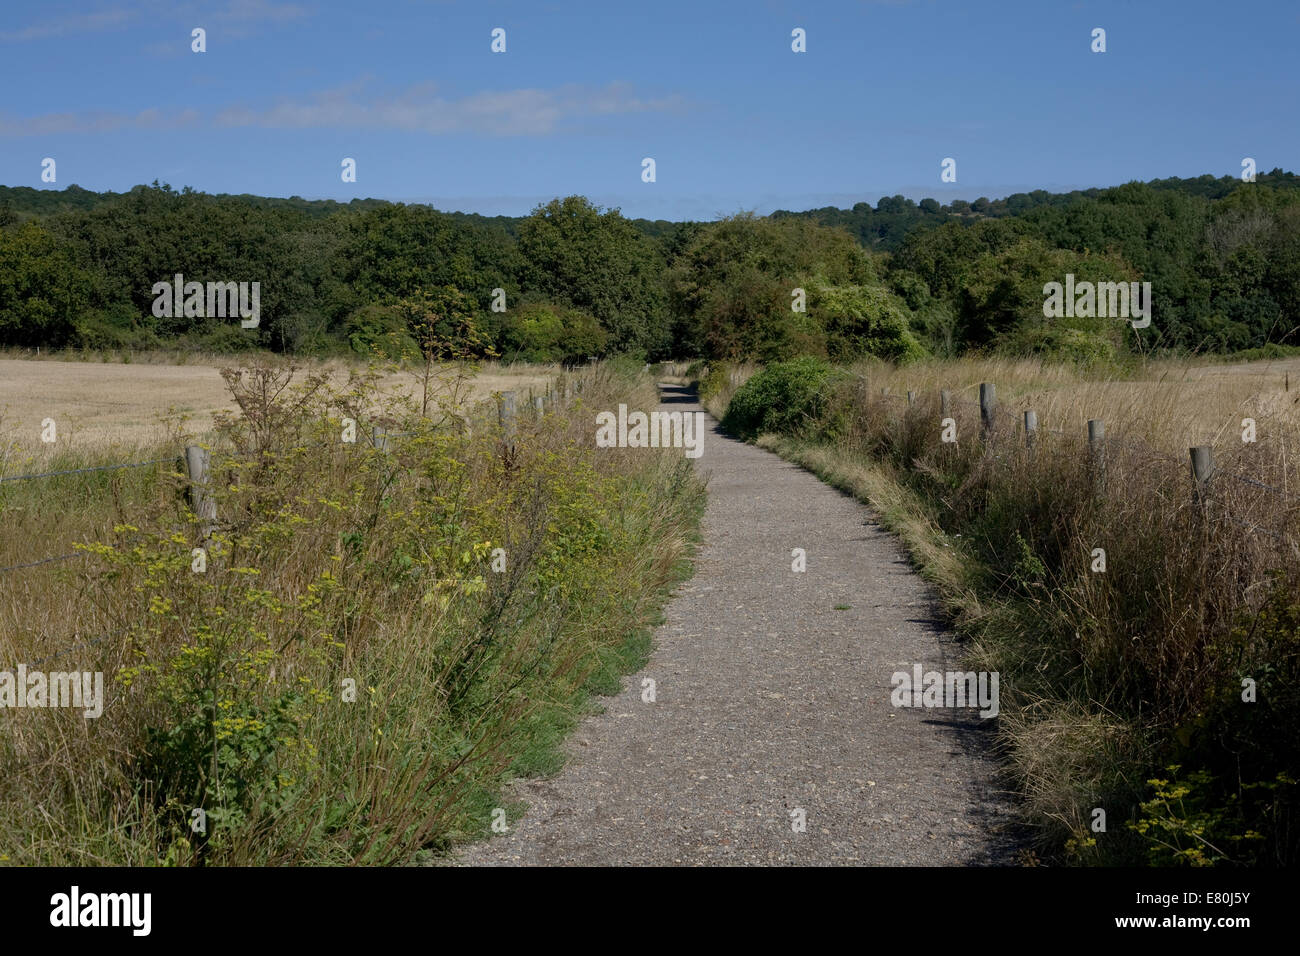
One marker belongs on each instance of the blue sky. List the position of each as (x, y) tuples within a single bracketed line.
[(585, 90)]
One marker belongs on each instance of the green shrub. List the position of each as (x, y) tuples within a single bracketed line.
[(628, 366), (380, 331), (115, 327), (227, 338), (782, 398), (696, 369), (714, 380), (861, 320), (1082, 347), (1272, 350), (550, 333)]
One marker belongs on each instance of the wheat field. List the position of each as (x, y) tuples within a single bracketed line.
[(99, 407)]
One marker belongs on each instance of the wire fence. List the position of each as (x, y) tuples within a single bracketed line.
[(82, 471), (54, 559), (994, 411), (380, 438), (51, 560)]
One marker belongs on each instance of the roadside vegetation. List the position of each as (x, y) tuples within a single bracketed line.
[(378, 637), (1123, 684)]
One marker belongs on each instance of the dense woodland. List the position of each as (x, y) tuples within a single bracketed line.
[(899, 281)]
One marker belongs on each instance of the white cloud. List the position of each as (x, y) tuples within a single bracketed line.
[(51, 124), (522, 112)]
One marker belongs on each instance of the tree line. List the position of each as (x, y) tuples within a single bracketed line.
[(570, 280)]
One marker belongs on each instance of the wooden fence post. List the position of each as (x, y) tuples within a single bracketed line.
[(1202, 471), (379, 438), (988, 404), (945, 403), (1031, 429), (198, 461), (539, 403), (1097, 453), (911, 397), (508, 415)]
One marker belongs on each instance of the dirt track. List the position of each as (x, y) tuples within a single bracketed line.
[(770, 700)]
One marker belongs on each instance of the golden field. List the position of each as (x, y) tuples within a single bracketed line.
[(102, 406), (1171, 405)]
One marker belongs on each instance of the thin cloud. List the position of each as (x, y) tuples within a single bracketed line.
[(418, 109), (521, 112), (235, 16), (260, 10), (242, 18), (71, 23), (51, 124)]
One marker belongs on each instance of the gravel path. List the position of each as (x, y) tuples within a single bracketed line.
[(768, 700)]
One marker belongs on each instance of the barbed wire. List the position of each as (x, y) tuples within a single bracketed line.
[(1135, 444), (1139, 445), (82, 471), (75, 645), (81, 554), (1143, 447), (36, 564), (1258, 484), (1254, 528)]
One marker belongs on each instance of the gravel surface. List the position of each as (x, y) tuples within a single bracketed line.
[(768, 700)]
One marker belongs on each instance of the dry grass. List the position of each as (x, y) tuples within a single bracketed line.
[(1172, 405), (1111, 675), (328, 563), (720, 382), (105, 406)]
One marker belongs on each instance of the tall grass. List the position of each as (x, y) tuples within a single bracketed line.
[(378, 639), (1122, 689), (718, 381)]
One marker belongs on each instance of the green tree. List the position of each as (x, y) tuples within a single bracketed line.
[(42, 293), (595, 260), (733, 287), (1001, 304), (864, 320), (542, 332), (444, 326)]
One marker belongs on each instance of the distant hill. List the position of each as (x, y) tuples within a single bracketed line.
[(885, 227), (21, 203), (1222, 257), (882, 228)]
